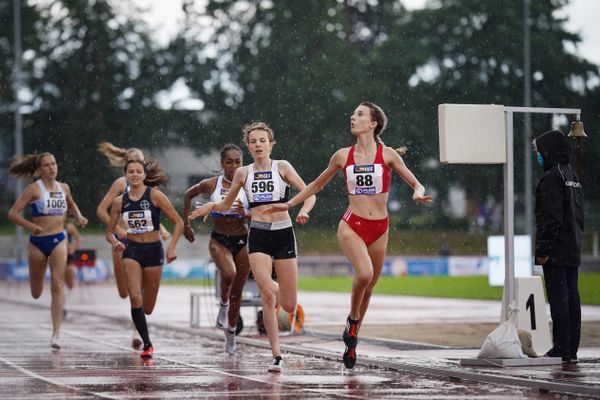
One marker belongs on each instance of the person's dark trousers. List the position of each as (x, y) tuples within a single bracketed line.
[(565, 310)]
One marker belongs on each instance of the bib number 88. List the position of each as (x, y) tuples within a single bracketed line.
[(364, 180)]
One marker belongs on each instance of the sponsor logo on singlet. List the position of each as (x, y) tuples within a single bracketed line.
[(262, 197), (262, 175), (55, 195), (136, 214), (367, 190), (364, 169)]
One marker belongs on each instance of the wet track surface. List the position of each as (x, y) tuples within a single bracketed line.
[(96, 362)]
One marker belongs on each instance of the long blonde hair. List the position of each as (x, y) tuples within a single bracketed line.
[(117, 156), (24, 166)]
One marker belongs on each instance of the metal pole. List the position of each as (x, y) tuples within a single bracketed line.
[(17, 85), (509, 220), (527, 185)]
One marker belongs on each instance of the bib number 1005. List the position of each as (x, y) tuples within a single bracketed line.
[(55, 203)]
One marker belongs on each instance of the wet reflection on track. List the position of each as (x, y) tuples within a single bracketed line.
[(95, 361)]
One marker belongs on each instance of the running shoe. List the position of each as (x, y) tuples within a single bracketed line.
[(351, 333), (276, 365), (349, 357), (222, 316), (136, 339), (55, 343), (230, 341), (147, 352)]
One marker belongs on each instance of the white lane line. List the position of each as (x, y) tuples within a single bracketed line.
[(215, 371), (52, 381)]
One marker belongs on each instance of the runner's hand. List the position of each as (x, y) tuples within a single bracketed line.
[(302, 217), (202, 211), (188, 232), (419, 196), (36, 229), (82, 221), (238, 206), (118, 246), (171, 255)]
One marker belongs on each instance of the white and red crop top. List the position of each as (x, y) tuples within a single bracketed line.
[(367, 179)]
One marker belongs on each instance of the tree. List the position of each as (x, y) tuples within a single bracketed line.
[(471, 52), (87, 70)]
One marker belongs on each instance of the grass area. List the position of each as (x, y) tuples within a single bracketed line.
[(322, 240), (188, 282), (464, 287), (422, 242), (460, 287)]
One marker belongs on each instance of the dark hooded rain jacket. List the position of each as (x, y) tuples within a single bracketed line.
[(558, 204)]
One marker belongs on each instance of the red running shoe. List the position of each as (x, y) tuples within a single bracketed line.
[(147, 352), (349, 357), (351, 333)]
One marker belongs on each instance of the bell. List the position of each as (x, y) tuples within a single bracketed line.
[(577, 130)]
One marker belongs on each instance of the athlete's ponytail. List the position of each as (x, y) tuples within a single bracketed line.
[(24, 166), (401, 150), (118, 156), (155, 175)]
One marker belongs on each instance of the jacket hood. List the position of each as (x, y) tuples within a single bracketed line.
[(554, 148)]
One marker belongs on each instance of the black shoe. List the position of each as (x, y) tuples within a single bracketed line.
[(351, 333), (349, 357)]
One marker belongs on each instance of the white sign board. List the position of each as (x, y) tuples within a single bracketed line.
[(472, 133), (523, 261), (532, 316)]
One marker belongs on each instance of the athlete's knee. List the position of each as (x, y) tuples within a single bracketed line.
[(227, 276), (363, 277), (148, 309), (288, 305), (135, 300), (56, 286), (269, 298)]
